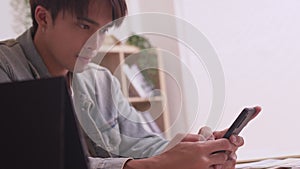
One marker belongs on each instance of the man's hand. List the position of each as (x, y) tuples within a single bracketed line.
[(190, 153), (237, 141), (207, 134), (194, 151)]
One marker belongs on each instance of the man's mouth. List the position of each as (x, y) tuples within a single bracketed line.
[(84, 59)]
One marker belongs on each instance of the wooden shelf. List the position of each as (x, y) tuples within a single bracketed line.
[(118, 49), (139, 99), (113, 57)]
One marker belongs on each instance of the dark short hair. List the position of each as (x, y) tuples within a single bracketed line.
[(78, 7)]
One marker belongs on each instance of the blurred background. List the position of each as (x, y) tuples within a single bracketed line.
[(257, 45)]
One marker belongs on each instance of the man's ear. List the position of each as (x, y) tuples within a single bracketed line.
[(42, 17)]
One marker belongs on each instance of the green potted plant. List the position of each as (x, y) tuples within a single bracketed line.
[(146, 59)]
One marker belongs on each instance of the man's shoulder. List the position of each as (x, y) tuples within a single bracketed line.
[(10, 48), (8, 43), (13, 62), (95, 71), (94, 75)]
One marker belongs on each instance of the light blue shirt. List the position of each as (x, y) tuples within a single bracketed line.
[(114, 126)]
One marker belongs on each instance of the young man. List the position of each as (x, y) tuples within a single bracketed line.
[(52, 47)]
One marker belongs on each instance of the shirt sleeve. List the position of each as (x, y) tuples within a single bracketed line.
[(3, 77), (109, 120), (107, 163), (3, 74), (137, 142)]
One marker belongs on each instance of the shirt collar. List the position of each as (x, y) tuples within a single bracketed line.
[(26, 42)]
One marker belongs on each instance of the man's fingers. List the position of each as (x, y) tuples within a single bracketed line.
[(218, 158), (206, 133), (219, 145), (257, 110), (219, 134), (217, 167), (182, 138), (192, 138), (236, 140), (228, 164), (232, 156)]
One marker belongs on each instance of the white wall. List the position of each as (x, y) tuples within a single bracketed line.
[(172, 66), (258, 45)]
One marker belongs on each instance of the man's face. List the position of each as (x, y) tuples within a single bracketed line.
[(69, 33)]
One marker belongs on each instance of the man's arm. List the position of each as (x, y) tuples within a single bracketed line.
[(107, 163), (133, 143), (103, 112), (14, 65), (3, 74), (136, 142), (192, 155)]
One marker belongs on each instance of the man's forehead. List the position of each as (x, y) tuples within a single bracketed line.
[(100, 8), (86, 19), (99, 12)]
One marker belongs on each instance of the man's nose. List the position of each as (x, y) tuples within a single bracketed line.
[(95, 41)]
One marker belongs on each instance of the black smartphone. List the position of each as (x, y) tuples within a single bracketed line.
[(241, 121)]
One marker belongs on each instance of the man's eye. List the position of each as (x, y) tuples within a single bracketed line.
[(103, 31), (83, 26)]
